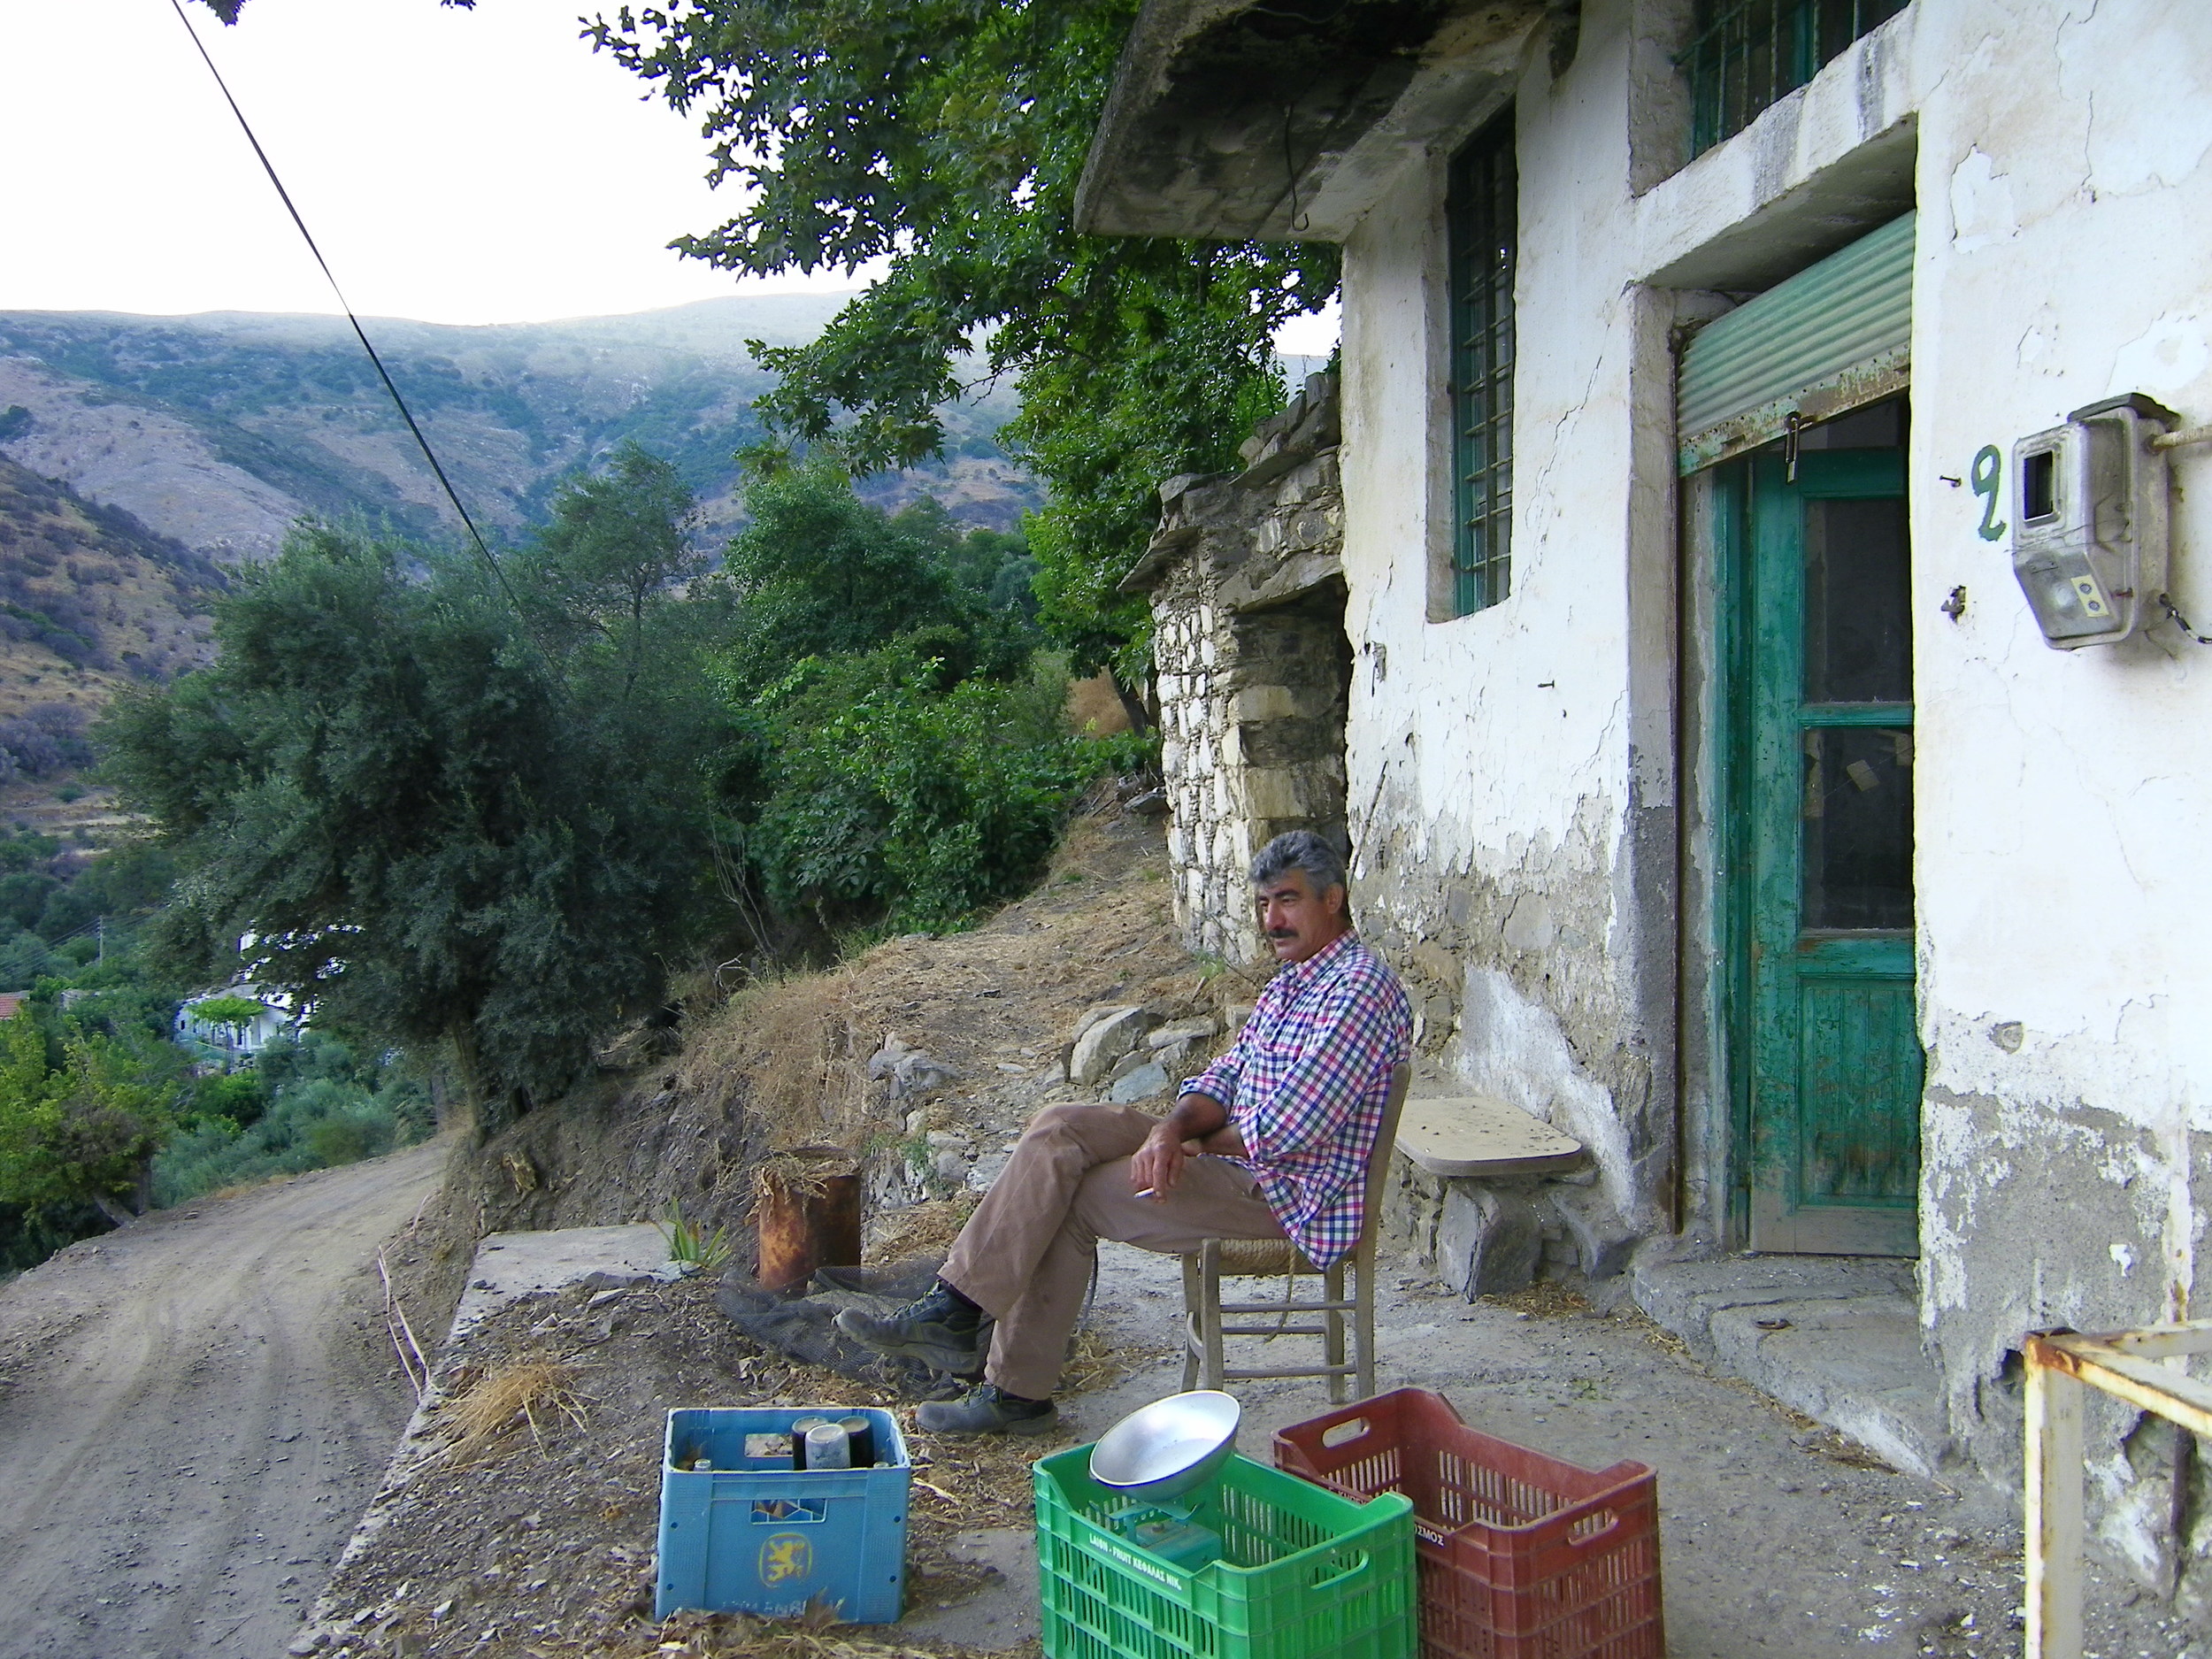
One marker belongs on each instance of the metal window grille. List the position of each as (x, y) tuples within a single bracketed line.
[(1748, 54), (1482, 210)]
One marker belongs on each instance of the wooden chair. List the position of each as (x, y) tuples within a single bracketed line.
[(1204, 1269)]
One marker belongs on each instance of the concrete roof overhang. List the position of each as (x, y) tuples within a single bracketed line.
[(1236, 121)]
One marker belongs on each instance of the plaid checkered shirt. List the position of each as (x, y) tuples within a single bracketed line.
[(1305, 1086)]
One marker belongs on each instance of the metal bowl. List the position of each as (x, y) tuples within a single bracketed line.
[(1169, 1448)]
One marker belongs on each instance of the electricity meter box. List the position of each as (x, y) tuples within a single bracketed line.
[(2090, 511)]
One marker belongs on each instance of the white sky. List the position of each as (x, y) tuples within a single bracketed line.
[(456, 166)]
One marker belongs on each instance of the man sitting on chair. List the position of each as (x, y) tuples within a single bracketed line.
[(1272, 1141)]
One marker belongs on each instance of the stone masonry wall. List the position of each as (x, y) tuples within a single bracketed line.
[(1253, 665)]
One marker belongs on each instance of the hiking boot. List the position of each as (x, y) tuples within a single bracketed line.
[(988, 1409), (944, 1331)]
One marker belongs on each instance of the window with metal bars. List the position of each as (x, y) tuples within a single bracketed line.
[(1482, 215), (1745, 55)]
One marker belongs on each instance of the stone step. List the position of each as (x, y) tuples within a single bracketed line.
[(1837, 1338)]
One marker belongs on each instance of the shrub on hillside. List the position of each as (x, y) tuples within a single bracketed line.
[(323, 1107), (446, 821), (866, 789)]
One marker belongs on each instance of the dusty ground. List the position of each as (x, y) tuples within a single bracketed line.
[(193, 1411), (151, 1509), (1778, 1537), (538, 1539)]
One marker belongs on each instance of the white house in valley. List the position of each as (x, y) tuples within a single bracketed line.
[(234, 1041)]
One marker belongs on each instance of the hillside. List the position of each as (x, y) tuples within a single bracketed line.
[(89, 600), (220, 429)]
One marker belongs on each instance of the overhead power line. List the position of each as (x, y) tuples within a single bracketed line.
[(360, 333)]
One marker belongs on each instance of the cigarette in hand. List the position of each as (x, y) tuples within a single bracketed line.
[(1144, 1191)]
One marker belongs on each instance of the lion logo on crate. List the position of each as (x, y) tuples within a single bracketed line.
[(785, 1556)]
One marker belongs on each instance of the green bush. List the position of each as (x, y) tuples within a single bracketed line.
[(29, 1234), (25, 960), (868, 791), (309, 1103), (241, 1096)]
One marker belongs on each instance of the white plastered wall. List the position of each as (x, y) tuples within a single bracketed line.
[(1491, 754), (2066, 798), (2063, 180)]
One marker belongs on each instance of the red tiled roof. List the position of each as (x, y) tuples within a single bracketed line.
[(9, 1001)]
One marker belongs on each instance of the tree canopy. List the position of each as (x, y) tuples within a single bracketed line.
[(601, 569), (486, 818), (428, 820), (819, 573), (947, 137)]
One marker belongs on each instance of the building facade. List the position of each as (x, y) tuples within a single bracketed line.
[(1709, 773), (234, 1042)]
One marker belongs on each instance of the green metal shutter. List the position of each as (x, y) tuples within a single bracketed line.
[(1832, 337)]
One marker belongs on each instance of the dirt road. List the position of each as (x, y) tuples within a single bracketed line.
[(193, 1413)]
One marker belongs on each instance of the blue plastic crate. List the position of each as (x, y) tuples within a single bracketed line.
[(749, 1536)]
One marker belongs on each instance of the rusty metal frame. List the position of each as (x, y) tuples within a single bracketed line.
[(1883, 375), (2126, 1365)]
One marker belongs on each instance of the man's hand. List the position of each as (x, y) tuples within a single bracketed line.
[(1158, 1164), (1196, 1123)]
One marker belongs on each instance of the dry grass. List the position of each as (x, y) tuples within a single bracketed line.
[(1096, 1363), (1093, 707), (784, 1176), (1841, 1449), (739, 1636), (925, 1229), (982, 1479), (509, 1398), (792, 1042), (1546, 1299)]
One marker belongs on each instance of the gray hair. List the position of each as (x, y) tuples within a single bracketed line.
[(1299, 849)]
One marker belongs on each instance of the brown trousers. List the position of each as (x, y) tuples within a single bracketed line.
[(1026, 1254)]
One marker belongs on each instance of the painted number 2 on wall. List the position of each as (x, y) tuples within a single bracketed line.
[(1985, 475)]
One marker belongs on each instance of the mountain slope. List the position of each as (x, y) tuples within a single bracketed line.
[(89, 599), (220, 429)]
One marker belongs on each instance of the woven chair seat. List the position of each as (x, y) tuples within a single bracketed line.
[(1217, 1259), (1251, 1258)]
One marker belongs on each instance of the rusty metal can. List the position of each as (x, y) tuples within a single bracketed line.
[(806, 1224)]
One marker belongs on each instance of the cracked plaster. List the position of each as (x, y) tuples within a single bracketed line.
[(1508, 800)]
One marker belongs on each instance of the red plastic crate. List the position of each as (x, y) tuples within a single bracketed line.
[(1521, 1555)]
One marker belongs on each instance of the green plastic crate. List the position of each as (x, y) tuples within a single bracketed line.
[(1304, 1574)]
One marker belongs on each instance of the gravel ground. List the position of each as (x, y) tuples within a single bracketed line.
[(1778, 1537), (193, 1411), (540, 1540)]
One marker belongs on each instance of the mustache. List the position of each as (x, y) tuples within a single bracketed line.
[(1282, 932)]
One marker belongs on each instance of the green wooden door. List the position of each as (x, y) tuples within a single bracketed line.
[(1831, 1053)]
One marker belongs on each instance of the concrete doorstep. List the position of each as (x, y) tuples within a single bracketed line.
[(1837, 1338)]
